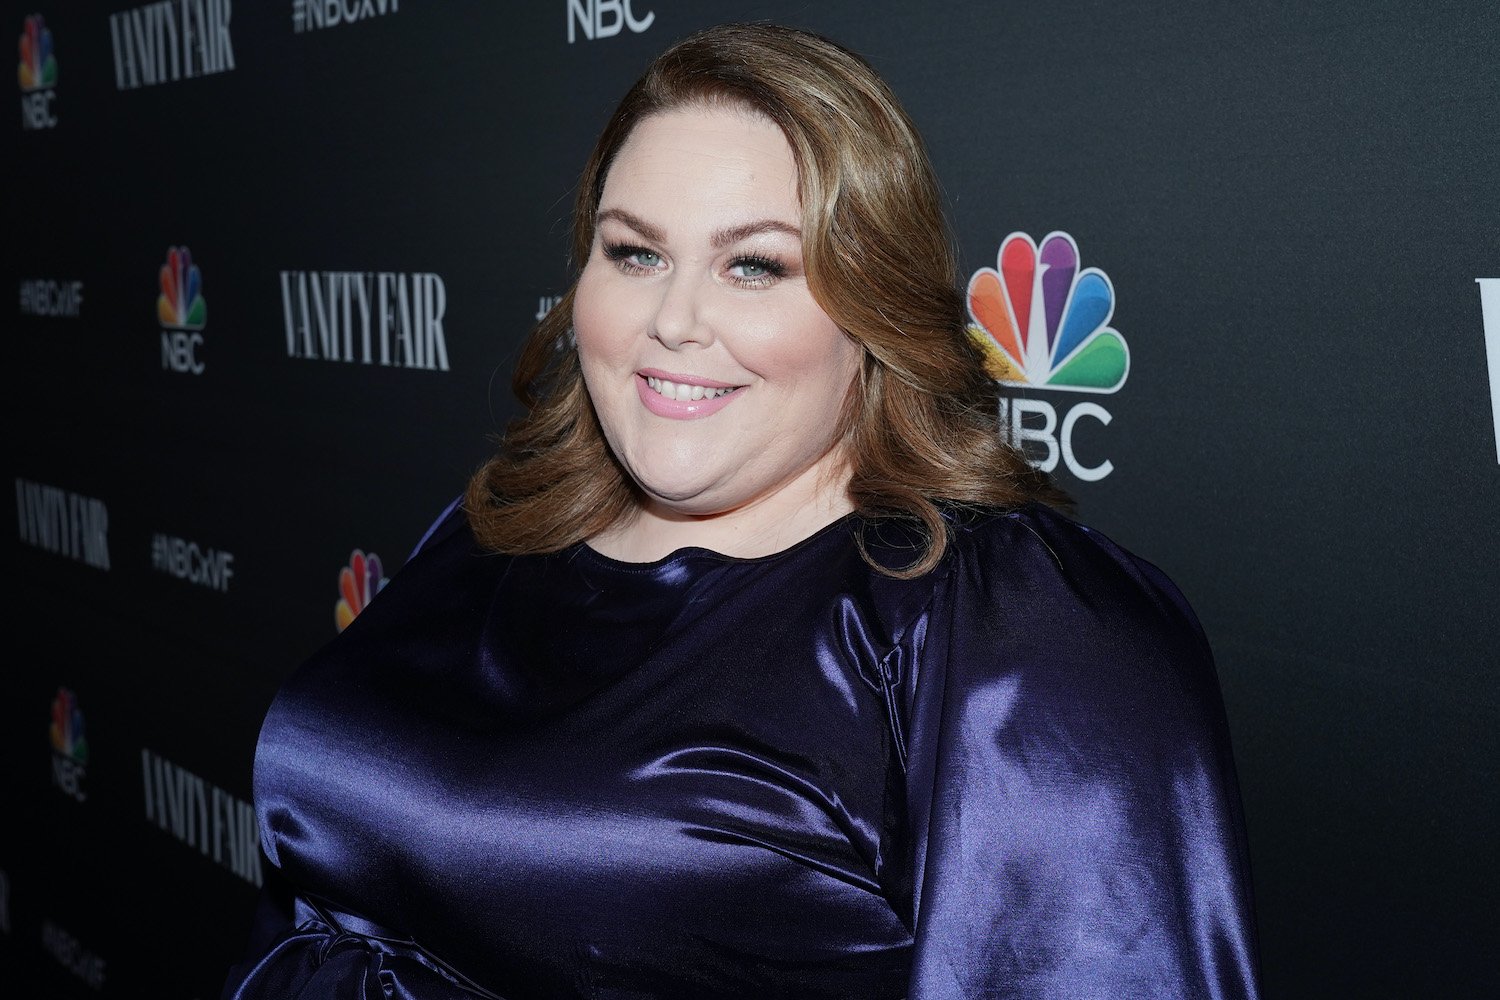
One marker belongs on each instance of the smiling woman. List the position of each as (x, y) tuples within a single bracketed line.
[(752, 665), (674, 304), (785, 162)]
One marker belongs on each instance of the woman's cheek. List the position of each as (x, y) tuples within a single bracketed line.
[(590, 316)]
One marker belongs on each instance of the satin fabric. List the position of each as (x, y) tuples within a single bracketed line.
[(566, 776)]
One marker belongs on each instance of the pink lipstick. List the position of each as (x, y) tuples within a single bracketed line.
[(683, 409)]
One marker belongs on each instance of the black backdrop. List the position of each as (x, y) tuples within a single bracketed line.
[(1293, 209)]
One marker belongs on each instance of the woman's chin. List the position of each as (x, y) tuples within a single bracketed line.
[(684, 500), (685, 496)]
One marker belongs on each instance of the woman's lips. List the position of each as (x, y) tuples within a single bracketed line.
[(714, 396)]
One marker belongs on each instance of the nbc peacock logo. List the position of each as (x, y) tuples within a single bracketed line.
[(38, 68), (37, 74), (180, 306), (359, 582), (1042, 322), (182, 312), (70, 749)]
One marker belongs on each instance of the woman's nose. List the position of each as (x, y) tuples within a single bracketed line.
[(680, 313)]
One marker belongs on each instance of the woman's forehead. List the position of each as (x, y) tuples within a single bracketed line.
[(698, 159)]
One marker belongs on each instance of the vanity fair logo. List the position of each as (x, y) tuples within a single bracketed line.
[(359, 582), (182, 312), (202, 815), (37, 74), (604, 19), (70, 749), (65, 523), (169, 41), (1489, 304), (189, 561), (66, 950), (366, 317), (309, 15), (1044, 324), (45, 297)]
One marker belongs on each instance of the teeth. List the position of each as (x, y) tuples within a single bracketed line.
[(683, 391)]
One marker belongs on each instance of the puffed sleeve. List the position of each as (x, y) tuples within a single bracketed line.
[(1074, 823), (274, 906)]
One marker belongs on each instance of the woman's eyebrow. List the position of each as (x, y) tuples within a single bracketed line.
[(720, 239), (635, 222), (734, 234)]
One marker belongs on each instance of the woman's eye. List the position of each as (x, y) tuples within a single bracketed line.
[(756, 270), (631, 258)]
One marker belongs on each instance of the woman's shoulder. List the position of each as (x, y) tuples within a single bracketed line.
[(1038, 591), (1040, 550)]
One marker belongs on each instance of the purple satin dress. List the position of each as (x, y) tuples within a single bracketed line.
[(565, 776)]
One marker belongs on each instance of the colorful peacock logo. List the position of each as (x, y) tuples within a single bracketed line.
[(359, 582), (180, 306), (1044, 323), (38, 66), (67, 727)]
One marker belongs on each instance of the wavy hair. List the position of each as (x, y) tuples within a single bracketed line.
[(920, 424)]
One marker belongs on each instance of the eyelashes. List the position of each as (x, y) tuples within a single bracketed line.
[(621, 253), (764, 270), (769, 268)]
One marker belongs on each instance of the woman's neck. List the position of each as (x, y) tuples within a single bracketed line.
[(767, 524)]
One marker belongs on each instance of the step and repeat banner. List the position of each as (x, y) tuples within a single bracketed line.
[(274, 261)]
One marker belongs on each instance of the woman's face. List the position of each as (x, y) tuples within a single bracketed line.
[(717, 378)]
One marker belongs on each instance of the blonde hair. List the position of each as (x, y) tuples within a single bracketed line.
[(920, 424)]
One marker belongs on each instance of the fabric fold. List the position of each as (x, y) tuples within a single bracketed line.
[(329, 954)]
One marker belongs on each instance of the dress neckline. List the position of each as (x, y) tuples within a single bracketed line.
[(586, 552)]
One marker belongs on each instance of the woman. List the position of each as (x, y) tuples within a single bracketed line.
[(754, 665)]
